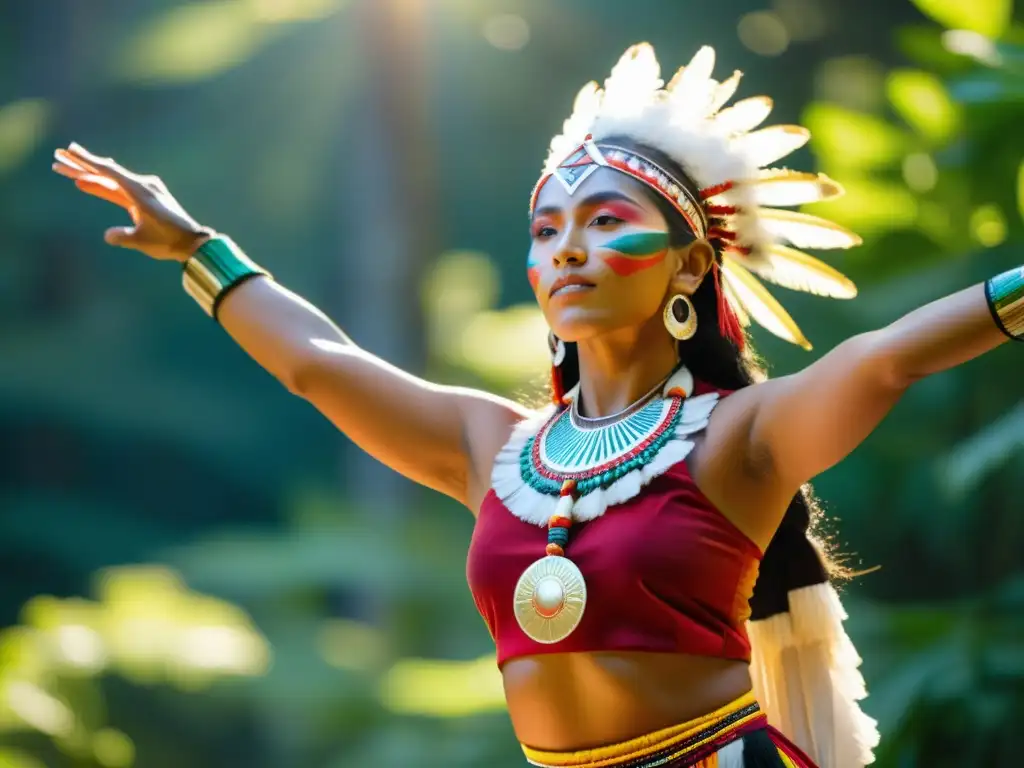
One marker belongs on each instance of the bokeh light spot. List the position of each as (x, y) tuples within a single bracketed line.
[(919, 172), (764, 33), (988, 225), (507, 32)]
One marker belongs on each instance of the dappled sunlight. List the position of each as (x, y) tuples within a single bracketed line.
[(189, 43), (156, 629), (296, 603), (37, 708), (507, 346), (871, 206), (196, 41), (443, 688), (145, 625), (845, 140), (13, 758)]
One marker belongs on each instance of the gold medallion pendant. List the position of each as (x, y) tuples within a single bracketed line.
[(550, 598), (572, 456)]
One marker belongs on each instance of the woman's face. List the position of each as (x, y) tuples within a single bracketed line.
[(600, 259)]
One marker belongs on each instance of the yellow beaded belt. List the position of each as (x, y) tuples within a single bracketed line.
[(681, 745)]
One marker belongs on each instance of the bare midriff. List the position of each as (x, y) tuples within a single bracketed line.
[(567, 702)]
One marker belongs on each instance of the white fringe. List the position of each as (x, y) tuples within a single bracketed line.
[(807, 679), (531, 506), (507, 480)]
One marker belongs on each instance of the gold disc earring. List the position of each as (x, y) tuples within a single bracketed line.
[(681, 326)]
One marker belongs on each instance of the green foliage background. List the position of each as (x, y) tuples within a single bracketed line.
[(197, 570)]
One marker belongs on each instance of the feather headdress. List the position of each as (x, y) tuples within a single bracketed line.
[(723, 150)]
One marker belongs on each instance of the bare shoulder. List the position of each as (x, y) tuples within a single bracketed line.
[(489, 421), (733, 473)]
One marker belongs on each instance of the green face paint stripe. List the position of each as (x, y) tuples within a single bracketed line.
[(639, 243)]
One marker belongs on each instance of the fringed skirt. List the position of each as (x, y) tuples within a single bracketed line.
[(736, 736)]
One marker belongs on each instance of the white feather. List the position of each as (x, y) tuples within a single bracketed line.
[(806, 231), (786, 188), (744, 115), (737, 305), (633, 82), (760, 304), (797, 271), (725, 91), (584, 111), (692, 88), (767, 145)]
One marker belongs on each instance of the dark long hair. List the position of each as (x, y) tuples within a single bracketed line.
[(797, 556)]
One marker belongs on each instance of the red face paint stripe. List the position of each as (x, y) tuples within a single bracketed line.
[(625, 265)]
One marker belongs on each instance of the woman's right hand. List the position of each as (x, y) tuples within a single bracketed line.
[(160, 228)]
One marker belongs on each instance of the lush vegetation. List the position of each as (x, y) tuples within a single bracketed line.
[(198, 571)]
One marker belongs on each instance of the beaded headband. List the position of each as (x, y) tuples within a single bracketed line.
[(588, 157), (729, 161)]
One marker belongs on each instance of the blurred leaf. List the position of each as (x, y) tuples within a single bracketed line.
[(970, 461), (870, 206), (508, 345), (922, 101), (925, 46), (444, 688), (846, 140), (23, 125), (113, 749), (191, 42), (987, 17), (12, 758)]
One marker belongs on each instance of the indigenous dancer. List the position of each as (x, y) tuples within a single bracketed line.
[(641, 553)]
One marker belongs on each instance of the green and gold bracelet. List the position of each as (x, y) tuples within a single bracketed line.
[(215, 269), (1005, 294)]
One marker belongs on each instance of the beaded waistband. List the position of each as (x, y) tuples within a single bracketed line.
[(692, 741)]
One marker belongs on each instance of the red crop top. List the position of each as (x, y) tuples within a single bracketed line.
[(665, 571)]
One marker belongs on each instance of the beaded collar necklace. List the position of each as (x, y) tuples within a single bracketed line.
[(594, 422)]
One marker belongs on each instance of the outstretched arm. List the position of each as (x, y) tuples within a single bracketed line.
[(807, 422), (439, 436), (442, 437)]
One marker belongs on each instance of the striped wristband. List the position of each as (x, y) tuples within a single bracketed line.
[(217, 267), (1005, 294)]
